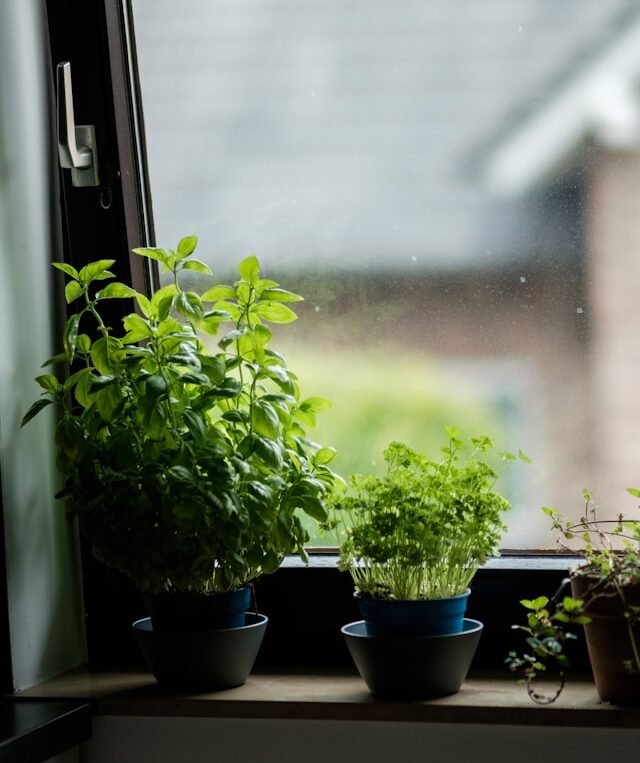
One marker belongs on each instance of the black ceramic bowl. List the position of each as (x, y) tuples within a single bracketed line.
[(201, 660), (413, 666)]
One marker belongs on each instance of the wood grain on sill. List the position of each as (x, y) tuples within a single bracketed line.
[(336, 695)]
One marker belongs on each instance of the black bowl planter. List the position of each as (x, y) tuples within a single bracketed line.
[(201, 660), (411, 666), (200, 642)]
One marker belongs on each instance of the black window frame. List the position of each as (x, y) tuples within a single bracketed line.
[(306, 606)]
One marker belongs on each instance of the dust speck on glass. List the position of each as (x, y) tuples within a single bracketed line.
[(454, 187)]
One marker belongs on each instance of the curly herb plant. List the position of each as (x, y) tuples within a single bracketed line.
[(188, 469), (422, 530), (611, 555)]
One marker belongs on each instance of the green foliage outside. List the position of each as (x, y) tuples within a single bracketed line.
[(380, 395)]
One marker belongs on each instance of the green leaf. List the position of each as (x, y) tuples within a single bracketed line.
[(70, 336), (633, 491), (249, 270), (35, 410), (280, 295), (274, 312), (264, 419), (315, 404), (181, 474), (170, 290), (137, 327), (105, 354), (68, 269), (311, 505), (96, 271), (160, 255), (83, 343), (72, 291), (82, 392), (196, 426), (187, 246), (144, 303), (108, 400), (217, 293), (269, 451), (96, 383), (116, 290), (198, 266), (325, 455), (188, 303), (49, 383), (535, 604)]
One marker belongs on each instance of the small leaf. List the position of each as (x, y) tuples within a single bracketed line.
[(249, 270), (83, 343), (72, 291), (35, 410), (325, 455), (70, 336), (116, 290), (144, 303), (188, 303), (274, 312), (96, 270), (198, 266), (136, 326), (187, 246), (280, 295), (216, 293), (49, 383), (161, 255), (105, 354), (315, 404), (68, 269)]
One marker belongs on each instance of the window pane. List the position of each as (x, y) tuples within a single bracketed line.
[(452, 186)]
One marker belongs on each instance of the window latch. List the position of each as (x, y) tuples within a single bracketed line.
[(76, 143)]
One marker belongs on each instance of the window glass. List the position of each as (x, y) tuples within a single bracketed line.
[(454, 187)]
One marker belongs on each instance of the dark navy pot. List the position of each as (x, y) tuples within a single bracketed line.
[(179, 612), (421, 617)]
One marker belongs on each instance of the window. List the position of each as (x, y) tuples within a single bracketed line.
[(451, 187)]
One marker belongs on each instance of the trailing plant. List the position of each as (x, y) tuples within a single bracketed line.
[(611, 561), (187, 467), (422, 530)]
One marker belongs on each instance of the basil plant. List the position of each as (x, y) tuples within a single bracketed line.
[(188, 468)]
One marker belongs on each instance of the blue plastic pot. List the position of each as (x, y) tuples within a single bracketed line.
[(422, 617), (177, 612)]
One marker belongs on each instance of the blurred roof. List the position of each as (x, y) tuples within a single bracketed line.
[(319, 132)]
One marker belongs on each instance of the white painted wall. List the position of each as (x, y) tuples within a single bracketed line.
[(200, 740), (44, 598)]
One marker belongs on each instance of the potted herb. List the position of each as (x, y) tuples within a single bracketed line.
[(187, 467), (413, 540), (602, 594)]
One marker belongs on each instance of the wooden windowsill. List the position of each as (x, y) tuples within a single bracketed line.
[(335, 695)]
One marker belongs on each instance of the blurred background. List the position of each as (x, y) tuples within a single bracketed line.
[(453, 187)]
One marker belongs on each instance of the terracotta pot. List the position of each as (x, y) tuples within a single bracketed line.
[(609, 639)]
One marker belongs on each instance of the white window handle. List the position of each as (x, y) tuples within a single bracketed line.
[(76, 143)]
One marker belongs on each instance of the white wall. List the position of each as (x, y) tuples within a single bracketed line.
[(44, 601), (200, 740)]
